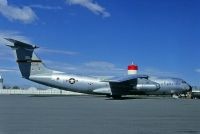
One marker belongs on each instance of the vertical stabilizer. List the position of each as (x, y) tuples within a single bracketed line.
[(28, 62)]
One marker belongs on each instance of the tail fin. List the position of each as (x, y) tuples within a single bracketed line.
[(28, 62)]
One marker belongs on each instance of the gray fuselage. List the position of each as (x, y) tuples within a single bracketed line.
[(91, 85)]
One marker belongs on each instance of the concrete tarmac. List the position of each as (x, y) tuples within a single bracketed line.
[(97, 115)]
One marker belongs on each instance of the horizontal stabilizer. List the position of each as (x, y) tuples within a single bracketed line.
[(20, 44)]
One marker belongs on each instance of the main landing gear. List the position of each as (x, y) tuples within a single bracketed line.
[(115, 97)]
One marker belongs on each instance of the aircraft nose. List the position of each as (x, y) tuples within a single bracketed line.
[(189, 88)]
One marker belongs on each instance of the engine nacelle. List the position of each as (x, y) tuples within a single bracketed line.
[(147, 87)]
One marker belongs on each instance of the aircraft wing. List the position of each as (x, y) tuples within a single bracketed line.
[(125, 78), (123, 85)]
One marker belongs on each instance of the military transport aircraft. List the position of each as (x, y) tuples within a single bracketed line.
[(33, 69)]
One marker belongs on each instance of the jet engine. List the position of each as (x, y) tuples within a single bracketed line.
[(147, 87)]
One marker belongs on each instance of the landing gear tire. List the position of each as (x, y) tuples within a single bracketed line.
[(116, 97), (108, 95)]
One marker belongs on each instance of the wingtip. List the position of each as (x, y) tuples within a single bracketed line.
[(7, 39), (10, 40)]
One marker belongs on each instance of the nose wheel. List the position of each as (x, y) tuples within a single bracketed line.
[(189, 95)]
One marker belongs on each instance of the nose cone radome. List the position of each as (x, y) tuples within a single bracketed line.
[(188, 88)]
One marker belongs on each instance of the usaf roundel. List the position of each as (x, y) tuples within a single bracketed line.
[(72, 80)]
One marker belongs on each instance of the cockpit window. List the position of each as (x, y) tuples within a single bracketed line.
[(183, 82)]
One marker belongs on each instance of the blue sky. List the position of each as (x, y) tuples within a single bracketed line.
[(101, 37)]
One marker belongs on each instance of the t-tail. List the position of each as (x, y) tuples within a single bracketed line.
[(28, 62)]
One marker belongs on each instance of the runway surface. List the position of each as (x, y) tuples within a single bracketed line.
[(97, 115)]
